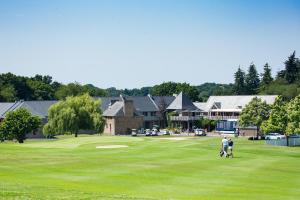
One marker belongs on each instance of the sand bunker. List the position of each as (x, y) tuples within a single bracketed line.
[(111, 146), (174, 138)]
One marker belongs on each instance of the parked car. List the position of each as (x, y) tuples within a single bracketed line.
[(274, 136), (154, 132), (141, 131), (133, 132), (199, 132), (148, 132), (165, 132)]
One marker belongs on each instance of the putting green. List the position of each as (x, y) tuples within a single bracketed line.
[(149, 168)]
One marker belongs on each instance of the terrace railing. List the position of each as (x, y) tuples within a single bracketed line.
[(222, 117), (185, 118)]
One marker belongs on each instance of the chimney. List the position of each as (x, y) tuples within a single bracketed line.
[(128, 107)]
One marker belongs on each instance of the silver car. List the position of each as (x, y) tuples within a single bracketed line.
[(274, 136)]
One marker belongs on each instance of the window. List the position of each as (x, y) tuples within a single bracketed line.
[(145, 113), (153, 113)]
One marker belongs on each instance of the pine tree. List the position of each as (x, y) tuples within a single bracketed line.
[(291, 69), (239, 82), (252, 80), (266, 76)]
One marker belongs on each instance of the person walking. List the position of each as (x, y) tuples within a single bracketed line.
[(224, 147), (230, 148)]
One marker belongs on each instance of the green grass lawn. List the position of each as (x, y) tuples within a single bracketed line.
[(150, 168)]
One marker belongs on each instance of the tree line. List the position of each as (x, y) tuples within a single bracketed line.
[(286, 82), (39, 87)]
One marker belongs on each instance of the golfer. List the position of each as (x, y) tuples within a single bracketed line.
[(230, 148), (225, 146)]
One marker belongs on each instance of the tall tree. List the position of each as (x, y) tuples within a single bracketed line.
[(291, 68), (252, 80), (266, 75), (278, 119), (17, 124), (73, 114), (239, 82), (254, 113)]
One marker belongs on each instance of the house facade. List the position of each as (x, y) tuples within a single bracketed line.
[(121, 117), (226, 109), (183, 113), (152, 108)]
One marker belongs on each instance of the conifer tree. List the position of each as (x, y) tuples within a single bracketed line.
[(239, 82), (291, 69), (266, 76), (252, 80)]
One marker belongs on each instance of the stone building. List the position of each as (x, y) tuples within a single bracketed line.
[(121, 117), (152, 108)]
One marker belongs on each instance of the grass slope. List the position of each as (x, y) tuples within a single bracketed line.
[(150, 168)]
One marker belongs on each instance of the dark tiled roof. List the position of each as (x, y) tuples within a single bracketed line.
[(4, 107), (141, 103), (167, 100), (115, 110), (38, 108), (182, 102)]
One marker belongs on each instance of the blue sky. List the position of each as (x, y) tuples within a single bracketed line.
[(143, 43)]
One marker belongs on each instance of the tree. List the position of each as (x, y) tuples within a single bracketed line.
[(40, 90), (281, 87), (72, 89), (266, 76), (7, 93), (291, 69), (239, 82), (254, 114), (206, 123), (252, 80), (277, 121), (73, 114), (17, 124), (293, 114), (170, 88), (208, 89), (162, 106), (94, 91)]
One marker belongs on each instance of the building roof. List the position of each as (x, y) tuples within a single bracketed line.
[(141, 103), (4, 107), (38, 108), (182, 102), (166, 100), (115, 110), (232, 103), (200, 105)]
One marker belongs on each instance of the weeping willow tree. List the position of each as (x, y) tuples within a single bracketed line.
[(73, 114)]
